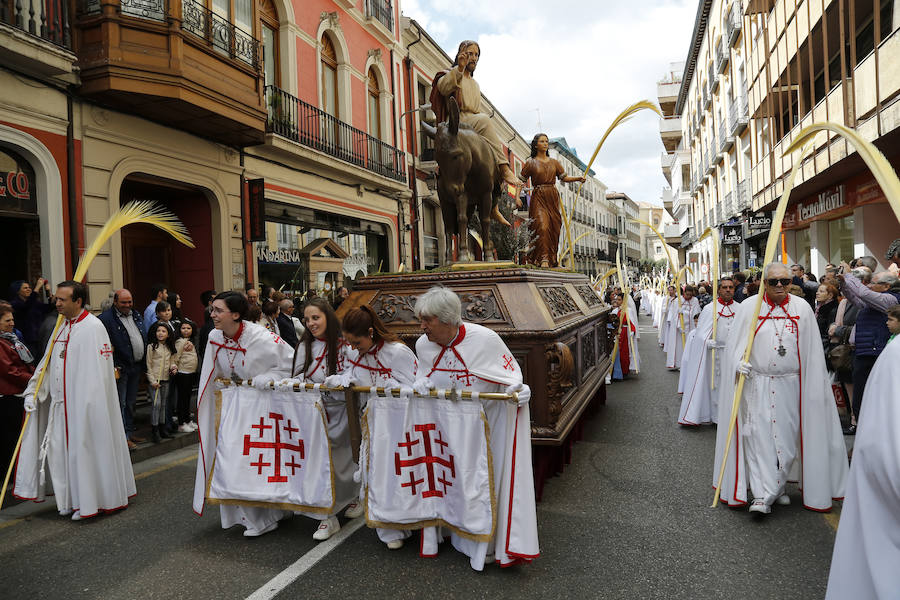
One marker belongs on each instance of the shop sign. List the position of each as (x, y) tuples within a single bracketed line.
[(732, 235), (760, 221), (16, 185), (286, 256), (256, 200), (355, 263), (827, 201)]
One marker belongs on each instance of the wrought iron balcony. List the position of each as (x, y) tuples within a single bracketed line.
[(723, 54), (738, 115), (294, 119), (219, 32), (743, 198), (154, 10), (733, 30), (687, 237), (382, 11), (46, 19), (728, 206), (713, 78)]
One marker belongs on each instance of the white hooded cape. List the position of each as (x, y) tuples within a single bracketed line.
[(478, 360), (253, 351), (821, 465), (867, 549), (87, 454), (700, 404)]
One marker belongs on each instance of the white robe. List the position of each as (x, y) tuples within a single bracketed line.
[(700, 403), (680, 321), (478, 360), (345, 489), (253, 351), (387, 363), (78, 412), (662, 317), (787, 426), (867, 549)]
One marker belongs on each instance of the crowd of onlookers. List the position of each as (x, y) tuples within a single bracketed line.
[(158, 344)]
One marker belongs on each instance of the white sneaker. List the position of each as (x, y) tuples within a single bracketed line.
[(783, 500), (185, 428), (76, 516), (354, 509), (258, 532), (760, 506), (394, 544), (327, 528), (193, 426)]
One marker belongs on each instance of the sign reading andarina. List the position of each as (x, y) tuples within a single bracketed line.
[(732, 235)]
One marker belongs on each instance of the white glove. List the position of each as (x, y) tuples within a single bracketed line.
[(263, 381), (30, 405), (357, 475), (287, 385), (406, 392), (745, 368), (390, 384), (423, 386), (340, 380), (520, 388)]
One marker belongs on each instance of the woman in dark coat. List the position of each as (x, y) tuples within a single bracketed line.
[(29, 310), (15, 371)]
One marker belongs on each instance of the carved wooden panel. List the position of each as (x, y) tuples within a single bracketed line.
[(588, 295), (478, 306), (558, 301), (588, 352)]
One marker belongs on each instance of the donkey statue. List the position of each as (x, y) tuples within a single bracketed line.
[(468, 178)]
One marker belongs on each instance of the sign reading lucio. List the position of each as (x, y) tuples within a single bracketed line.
[(732, 235)]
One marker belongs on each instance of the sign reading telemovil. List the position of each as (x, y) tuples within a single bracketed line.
[(831, 203)]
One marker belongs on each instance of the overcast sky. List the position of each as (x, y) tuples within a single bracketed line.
[(580, 62)]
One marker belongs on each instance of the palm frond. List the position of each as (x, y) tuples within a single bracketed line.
[(138, 211)]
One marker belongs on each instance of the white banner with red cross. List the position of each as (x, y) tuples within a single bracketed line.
[(272, 450), (427, 462)]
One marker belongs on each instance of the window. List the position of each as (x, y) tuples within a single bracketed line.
[(374, 99), (329, 78), (426, 144), (268, 16)]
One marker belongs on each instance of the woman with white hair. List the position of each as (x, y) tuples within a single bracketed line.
[(454, 354)]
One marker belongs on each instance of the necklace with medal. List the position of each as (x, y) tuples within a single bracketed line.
[(780, 334), (65, 342)]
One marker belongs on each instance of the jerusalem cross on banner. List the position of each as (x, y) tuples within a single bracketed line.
[(427, 462), (273, 450)]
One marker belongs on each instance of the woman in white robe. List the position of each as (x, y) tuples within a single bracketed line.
[(681, 323), (383, 361), (323, 357), (237, 349)]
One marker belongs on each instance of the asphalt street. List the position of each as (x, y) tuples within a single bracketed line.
[(630, 518)]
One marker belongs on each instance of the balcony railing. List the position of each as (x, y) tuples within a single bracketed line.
[(728, 206), (713, 78), (46, 19), (155, 10), (743, 198), (219, 33), (738, 115), (381, 10), (734, 23), (687, 237), (305, 124), (723, 54)]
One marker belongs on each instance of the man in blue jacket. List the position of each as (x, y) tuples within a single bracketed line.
[(125, 327)]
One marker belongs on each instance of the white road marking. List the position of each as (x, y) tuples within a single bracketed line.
[(274, 586)]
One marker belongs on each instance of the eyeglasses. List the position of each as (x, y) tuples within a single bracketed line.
[(775, 282)]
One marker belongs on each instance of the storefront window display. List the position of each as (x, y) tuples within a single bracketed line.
[(803, 248), (840, 239)]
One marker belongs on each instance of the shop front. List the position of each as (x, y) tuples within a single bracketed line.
[(289, 257), (732, 251), (756, 232)]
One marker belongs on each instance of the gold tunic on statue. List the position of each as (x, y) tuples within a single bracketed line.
[(470, 109), (544, 208)]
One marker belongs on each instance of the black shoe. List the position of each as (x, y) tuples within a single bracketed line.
[(850, 430), (155, 434), (164, 432)]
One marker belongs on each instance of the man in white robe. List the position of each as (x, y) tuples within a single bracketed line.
[(680, 323), (867, 549), (787, 425), (662, 314), (465, 356), (236, 349), (75, 428), (700, 402)]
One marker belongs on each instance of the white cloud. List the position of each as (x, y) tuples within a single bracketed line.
[(579, 66)]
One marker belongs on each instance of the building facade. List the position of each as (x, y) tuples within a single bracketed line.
[(800, 72), (628, 229), (652, 248)]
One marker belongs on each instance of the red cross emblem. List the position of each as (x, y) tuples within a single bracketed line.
[(106, 351), (278, 446), (431, 461), (508, 363)]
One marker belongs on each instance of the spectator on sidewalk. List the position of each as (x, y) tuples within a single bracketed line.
[(873, 298), (174, 300), (800, 278), (252, 295), (186, 363), (160, 368), (893, 255), (30, 306), (158, 293), (16, 369), (286, 325), (125, 327), (740, 290), (206, 299)]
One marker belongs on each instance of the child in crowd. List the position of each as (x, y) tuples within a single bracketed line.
[(160, 365), (164, 316), (186, 363), (893, 321)]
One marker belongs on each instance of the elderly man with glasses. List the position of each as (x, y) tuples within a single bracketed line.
[(787, 425), (873, 296)]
